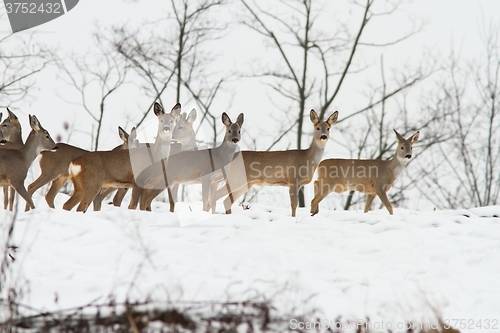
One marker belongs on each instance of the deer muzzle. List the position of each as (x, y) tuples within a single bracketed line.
[(323, 137), (235, 140), (408, 156)]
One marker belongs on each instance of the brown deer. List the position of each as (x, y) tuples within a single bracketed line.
[(372, 177), (11, 130), (54, 168), (206, 166), (291, 168), (14, 163), (95, 170)]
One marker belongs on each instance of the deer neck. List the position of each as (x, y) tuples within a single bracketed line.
[(30, 149), (398, 164), (190, 144), (315, 151), (162, 148)]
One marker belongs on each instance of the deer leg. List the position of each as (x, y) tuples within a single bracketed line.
[(205, 192), (19, 186), (75, 198), (233, 196), (56, 186), (12, 195), (43, 179), (148, 197), (89, 193), (172, 196), (118, 198), (321, 191), (212, 192), (103, 193), (369, 200), (5, 197), (136, 195), (294, 197), (385, 200)]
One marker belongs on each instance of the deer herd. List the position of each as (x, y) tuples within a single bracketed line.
[(175, 158)]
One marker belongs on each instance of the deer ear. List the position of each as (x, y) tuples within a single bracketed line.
[(333, 118), (399, 136), (414, 137), (133, 133), (176, 110), (34, 123), (240, 119), (192, 116), (314, 117), (12, 116), (123, 135), (226, 120), (158, 109)]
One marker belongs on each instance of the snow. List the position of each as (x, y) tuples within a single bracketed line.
[(341, 263)]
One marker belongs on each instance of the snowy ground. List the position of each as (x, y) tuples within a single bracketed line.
[(391, 268)]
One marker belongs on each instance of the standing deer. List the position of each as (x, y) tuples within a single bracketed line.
[(11, 130), (54, 168), (183, 138), (206, 166), (372, 177), (14, 163), (291, 168), (95, 170)]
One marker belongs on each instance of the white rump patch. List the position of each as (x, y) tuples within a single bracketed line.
[(74, 169)]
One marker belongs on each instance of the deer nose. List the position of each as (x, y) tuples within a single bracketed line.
[(323, 137), (55, 148), (2, 142), (235, 140), (166, 128), (408, 156)]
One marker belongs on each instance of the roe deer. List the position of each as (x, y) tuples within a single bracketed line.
[(11, 130), (14, 163), (372, 177), (54, 168), (183, 138), (205, 166), (95, 170), (292, 168)]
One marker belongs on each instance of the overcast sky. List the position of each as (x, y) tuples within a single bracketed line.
[(449, 24)]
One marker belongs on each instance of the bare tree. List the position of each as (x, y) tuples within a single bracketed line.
[(19, 66), (310, 57), (465, 172), (172, 51), (97, 74)]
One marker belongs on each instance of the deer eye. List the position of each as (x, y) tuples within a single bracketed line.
[(47, 136), (229, 131), (239, 132), (180, 127), (328, 129), (402, 147), (317, 128)]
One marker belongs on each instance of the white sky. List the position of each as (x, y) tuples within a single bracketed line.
[(449, 23)]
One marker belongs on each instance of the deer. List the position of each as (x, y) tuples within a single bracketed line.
[(95, 170), (11, 130), (193, 166), (54, 168), (290, 168), (14, 163), (183, 138), (372, 177)]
